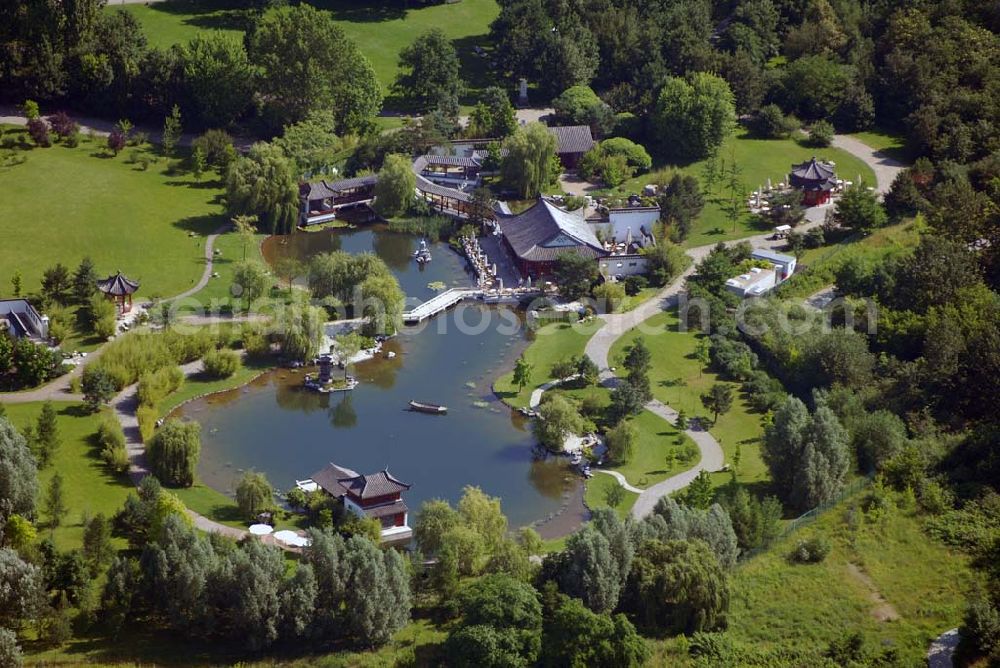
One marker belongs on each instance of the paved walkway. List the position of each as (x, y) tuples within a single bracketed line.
[(617, 324), (124, 407), (885, 167), (206, 275), (621, 480), (58, 389)]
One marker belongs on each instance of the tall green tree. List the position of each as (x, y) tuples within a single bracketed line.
[(430, 73), (678, 586), (859, 209), (174, 450), (493, 116), (18, 472), (262, 184), (84, 281), (253, 494), (575, 636), (218, 78), (621, 442), (718, 399), (172, 130), (251, 281), (574, 274), (376, 591), (522, 373), (557, 419), (694, 116), (394, 192), (55, 501), (807, 455), (528, 166), (501, 624), (331, 72), (47, 438)]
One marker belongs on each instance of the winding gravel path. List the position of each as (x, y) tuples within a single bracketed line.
[(617, 324), (885, 167), (124, 407), (206, 275)]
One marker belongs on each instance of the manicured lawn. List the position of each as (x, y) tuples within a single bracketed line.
[(893, 145), (552, 343), (759, 159), (597, 490), (197, 385), (678, 380), (169, 23), (122, 217), (817, 266), (657, 440), (87, 485), (631, 301), (217, 295), (380, 29)]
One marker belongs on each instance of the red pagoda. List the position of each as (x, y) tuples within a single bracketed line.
[(815, 179)]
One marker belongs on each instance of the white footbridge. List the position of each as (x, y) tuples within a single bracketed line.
[(439, 303)]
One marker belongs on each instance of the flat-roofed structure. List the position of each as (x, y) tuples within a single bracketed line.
[(784, 265), (755, 283), (20, 320)]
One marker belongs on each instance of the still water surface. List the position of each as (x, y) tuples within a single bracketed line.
[(275, 426)]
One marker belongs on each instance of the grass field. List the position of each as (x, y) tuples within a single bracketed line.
[(597, 490), (776, 602), (678, 380), (380, 29), (759, 160), (875, 568), (817, 266), (552, 343), (891, 144), (87, 485), (65, 203)]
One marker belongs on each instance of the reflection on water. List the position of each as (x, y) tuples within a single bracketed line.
[(275, 426), (394, 248)]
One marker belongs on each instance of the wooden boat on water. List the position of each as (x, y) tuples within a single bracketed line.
[(433, 409)]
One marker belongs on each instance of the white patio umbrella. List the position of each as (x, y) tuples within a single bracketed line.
[(261, 529), (285, 536)]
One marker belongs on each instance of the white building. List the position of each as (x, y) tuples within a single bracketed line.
[(639, 220), (784, 265), (755, 283), (623, 266)]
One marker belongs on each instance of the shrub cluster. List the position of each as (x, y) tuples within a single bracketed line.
[(111, 440)]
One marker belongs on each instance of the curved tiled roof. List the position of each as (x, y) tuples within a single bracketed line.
[(544, 232), (573, 138), (117, 285), (324, 189), (338, 481), (813, 171)]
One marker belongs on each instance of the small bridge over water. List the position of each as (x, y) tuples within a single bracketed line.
[(439, 303)]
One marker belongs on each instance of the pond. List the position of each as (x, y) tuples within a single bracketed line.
[(275, 426)]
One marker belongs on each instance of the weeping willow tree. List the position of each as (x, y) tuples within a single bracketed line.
[(530, 164), (263, 184)]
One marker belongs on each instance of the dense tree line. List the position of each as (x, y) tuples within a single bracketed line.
[(929, 70), (97, 61)]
